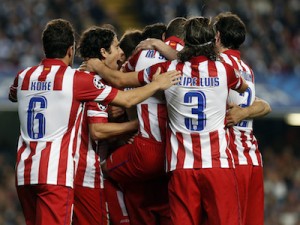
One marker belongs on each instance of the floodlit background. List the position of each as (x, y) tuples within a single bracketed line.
[(272, 48)]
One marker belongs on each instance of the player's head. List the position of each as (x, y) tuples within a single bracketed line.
[(102, 43), (156, 30), (129, 40), (231, 30), (176, 28), (59, 39), (199, 39)]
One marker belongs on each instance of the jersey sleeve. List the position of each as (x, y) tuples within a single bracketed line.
[(96, 112), (89, 87), (132, 61), (145, 76), (234, 78)]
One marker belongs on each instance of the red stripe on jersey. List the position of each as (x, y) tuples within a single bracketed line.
[(212, 69), (257, 152), (245, 147), (44, 161), (63, 158), (228, 152), (25, 84), (28, 162), (168, 149), (179, 66), (146, 119), (97, 168), (215, 148), (233, 146), (45, 72), (162, 115), (195, 73), (196, 141), (234, 63), (20, 152), (180, 152), (58, 80)]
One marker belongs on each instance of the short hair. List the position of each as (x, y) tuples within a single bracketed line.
[(176, 27), (129, 40), (93, 39), (232, 30), (155, 30), (57, 37), (199, 39)]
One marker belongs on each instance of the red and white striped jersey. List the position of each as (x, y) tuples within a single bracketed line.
[(243, 143), (87, 157), (196, 108), (152, 113), (50, 113)]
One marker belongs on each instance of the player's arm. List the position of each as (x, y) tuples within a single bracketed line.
[(99, 131), (159, 82), (13, 95), (116, 78), (236, 114), (159, 45)]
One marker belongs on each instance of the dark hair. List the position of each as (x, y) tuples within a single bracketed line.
[(176, 27), (232, 30), (57, 37), (129, 40), (93, 39), (155, 30), (199, 39)]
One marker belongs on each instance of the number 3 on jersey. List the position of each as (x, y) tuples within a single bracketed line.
[(36, 121), (199, 123)]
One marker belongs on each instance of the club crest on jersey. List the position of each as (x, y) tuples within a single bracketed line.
[(102, 107), (97, 82), (237, 73)]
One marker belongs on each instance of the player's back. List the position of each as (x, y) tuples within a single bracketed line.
[(196, 110)]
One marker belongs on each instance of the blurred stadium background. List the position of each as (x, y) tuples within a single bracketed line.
[(272, 49)]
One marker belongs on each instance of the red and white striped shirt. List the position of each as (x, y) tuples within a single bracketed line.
[(50, 113), (243, 143), (87, 157), (152, 113), (196, 109)]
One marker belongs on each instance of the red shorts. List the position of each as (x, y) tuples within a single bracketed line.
[(142, 160), (115, 201), (204, 196), (89, 206), (251, 193), (45, 204), (147, 202)]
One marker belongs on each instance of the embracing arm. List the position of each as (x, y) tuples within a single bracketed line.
[(236, 114), (159, 45), (116, 78), (100, 131), (160, 82)]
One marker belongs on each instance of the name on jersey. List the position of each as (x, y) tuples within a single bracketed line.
[(41, 86), (203, 82)]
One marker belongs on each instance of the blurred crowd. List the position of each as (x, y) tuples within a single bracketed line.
[(273, 43), (272, 48)]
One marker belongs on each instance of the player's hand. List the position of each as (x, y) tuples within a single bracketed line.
[(167, 79), (149, 43), (93, 63), (12, 96), (115, 111), (83, 66), (235, 114)]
